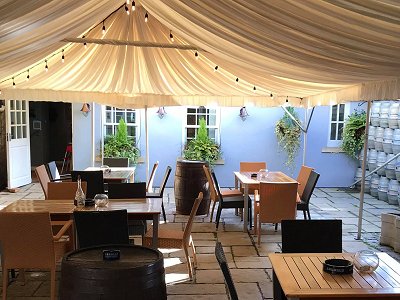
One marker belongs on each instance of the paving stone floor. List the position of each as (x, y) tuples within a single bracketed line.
[(249, 264)]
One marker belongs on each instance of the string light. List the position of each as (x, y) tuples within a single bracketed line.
[(127, 9), (104, 28), (146, 17), (14, 86), (127, 2), (216, 69), (196, 54), (46, 68), (133, 5), (171, 36), (84, 44), (237, 80), (254, 89), (62, 57), (272, 96), (27, 76)]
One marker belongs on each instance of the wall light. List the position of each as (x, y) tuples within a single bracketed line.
[(243, 113), (85, 109), (161, 112)]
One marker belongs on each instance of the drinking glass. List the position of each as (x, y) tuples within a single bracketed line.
[(262, 174), (101, 200), (366, 261)]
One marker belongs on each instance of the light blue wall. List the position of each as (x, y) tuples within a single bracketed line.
[(81, 138), (250, 140)]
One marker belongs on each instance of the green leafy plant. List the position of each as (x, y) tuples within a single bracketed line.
[(288, 135), (202, 147), (354, 133), (120, 145)]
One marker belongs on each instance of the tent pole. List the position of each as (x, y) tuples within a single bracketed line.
[(364, 164), (305, 137), (147, 143)]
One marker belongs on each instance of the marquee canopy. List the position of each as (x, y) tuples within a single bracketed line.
[(309, 52)]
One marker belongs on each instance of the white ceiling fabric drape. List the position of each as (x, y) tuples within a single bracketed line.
[(322, 51)]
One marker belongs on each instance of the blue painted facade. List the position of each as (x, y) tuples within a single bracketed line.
[(250, 140)]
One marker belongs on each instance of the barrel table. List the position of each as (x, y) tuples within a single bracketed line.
[(138, 274)]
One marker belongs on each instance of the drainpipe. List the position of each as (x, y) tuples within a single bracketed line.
[(305, 137)]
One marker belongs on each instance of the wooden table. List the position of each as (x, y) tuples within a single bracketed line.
[(245, 180), (116, 174), (138, 209), (301, 277)]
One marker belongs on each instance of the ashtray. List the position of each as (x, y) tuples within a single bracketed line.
[(338, 266), (89, 202)]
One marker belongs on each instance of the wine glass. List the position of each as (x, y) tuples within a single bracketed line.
[(101, 200), (366, 261), (262, 174)]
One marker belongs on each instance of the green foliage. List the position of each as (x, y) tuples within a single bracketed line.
[(354, 134), (288, 135), (120, 145), (202, 147)]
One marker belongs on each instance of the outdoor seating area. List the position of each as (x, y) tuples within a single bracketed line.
[(249, 264)]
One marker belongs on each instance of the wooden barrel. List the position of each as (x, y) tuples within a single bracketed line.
[(190, 179), (138, 274)]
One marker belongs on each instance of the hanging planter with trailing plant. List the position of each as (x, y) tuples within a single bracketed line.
[(354, 134), (288, 135)]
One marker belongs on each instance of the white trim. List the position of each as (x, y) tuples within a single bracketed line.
[(336, 143)]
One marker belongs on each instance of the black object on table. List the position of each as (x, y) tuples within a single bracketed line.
[(138, 274)]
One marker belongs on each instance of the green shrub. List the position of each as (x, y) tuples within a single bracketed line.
[(354, 134)]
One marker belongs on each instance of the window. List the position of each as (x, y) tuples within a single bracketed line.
[(112, 115), (338, 115), (194, 114)]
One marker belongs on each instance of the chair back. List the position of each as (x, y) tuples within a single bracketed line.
[(277, 201), (116, 161), (216, 187), (53, 171), (26, 240), (127, 190), (302, 179), (253, 166), (188, 228), (311, 236), (164, 181), (94, 179), (44, 178), (310, 186), (64, 190), (220, 255), (213, 192), (149, 187), (96, 228)]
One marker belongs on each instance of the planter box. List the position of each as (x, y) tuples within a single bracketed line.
[(390, 230)]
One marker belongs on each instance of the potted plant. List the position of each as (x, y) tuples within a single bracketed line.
[(288, 135), (190, 178), (354, 134), (120, 145)]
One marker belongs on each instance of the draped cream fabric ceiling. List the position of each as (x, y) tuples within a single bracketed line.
[(323, 51)]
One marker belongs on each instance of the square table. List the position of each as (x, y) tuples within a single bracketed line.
[(301, 277), (245, 180), (116, 174)]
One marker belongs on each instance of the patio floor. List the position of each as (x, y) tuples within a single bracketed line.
[(249, 264)]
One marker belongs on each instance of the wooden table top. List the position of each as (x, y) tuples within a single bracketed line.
[(245, 177), (117, 173), (133, 206), (301, 276)]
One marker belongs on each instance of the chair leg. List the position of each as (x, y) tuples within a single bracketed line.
[(250, 215), (163, 211), (308, 212), (53, 284), (189, 262), (305, 216), (212, 211), (218, 216), (276, 226), (259, 231), (5, 282), (194, 254)]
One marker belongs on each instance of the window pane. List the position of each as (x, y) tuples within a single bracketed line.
[(191, 119), (108, 108), (130, 117), (212, 120), (131, 131), (19, 132), (23, 121), (190, 132), (108, 117), (118, 116), (191, 110), (18, 117), (18, 104), (13, 133), (12, 104), (211, 133), (341, 112), (108, 130), (12, 118), (201, 116), (202, 110), (334, 113), (340, 131), (24, 135), (333, 131), (24, 105)]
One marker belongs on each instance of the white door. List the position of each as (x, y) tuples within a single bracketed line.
[(18, 147)]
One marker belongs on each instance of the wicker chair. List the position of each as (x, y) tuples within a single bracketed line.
[(44, 179), (149, 187), (28, 243), (160, 193), (64, 190), (252, 166), (54, 175), (304, 203), (302, 179), (176, 239), (220, 255)]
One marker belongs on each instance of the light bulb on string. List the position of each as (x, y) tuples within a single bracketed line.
[(171, 36), (104, 28), (146, 17), (27, 76), (254, 89), (237, 80), (196, 54), (46, 68), (216, 69), (14, 85), (127, 2), (62, 56), (127, 9), (133, 5), (84, 44), (271, 95)]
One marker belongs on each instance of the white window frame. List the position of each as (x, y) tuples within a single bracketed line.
[(216, 126), (115, 123), (336, 142)]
